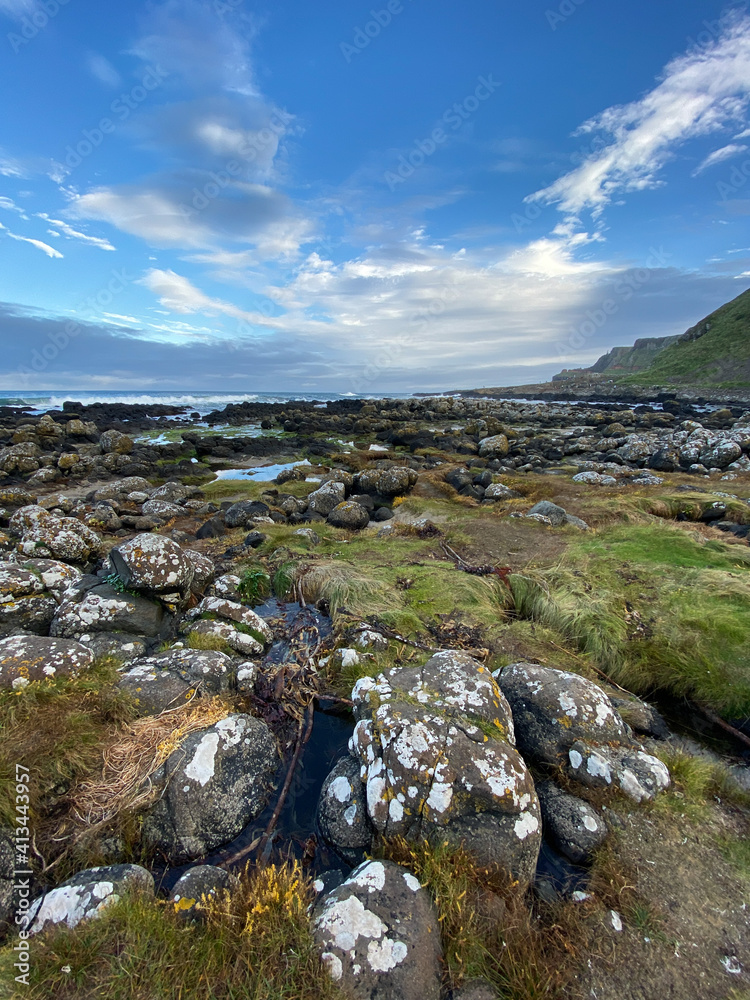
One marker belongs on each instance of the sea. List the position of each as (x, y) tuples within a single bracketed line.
[(192, 402)]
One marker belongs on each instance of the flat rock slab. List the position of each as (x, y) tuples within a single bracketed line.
[(379, 937), (27, 658)]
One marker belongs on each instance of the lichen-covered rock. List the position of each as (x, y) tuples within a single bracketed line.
[(57, 577), (379, 937), (432, 771), (172, 492), (103, 609), (594, 479), (496, 446), (226, 633), (103, 517), (342, 810), (197, 887), (16, 496), (323, 500), (7, 878), (240, 514), (553, 708), (215, 783), (545, 508), (392, 482), (163, 509), (120, 645), (574, 826), (638, 774), (230, 611), (27, 658), (47, 536), (349, 515), (168, 679), (226, 586), (203, 570), (86, 895), (154, 564), (497, 491), (18, 581), (114, 442), (27, 614)]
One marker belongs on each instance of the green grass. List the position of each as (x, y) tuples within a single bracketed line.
[(721, 356), (737, 851), (256, 945), (655, 607)]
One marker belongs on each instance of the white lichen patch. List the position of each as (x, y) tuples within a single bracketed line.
[(526, 824), (370, 875), (344, 922), (201, 767), (412, 882), (340, 789), (386, 954)]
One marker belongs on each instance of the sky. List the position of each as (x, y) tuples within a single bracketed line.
[(340, 197)]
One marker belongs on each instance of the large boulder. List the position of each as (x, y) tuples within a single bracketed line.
[(153, 564), (214, 784), (496, 446), (433, 770), (46, 536), (349, 515), (323, 500), (27, 658), (240, 514), (104, 609), (114, 442), (27, 614), (392, 482), (84, 896), (565, 720), (167, 679), (379, 937)]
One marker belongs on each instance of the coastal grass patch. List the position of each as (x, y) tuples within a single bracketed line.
[(56, 728), (487, 929), (254, 944), (737, 851), (655, 607)]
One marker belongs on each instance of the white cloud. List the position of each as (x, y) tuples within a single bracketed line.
[(177, 294), (10, 206), (103, 70), (74, 234), (699, 93), (44, 247), (10, 166), (718, 156)]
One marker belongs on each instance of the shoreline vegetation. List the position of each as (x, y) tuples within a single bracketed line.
[(184, 658)]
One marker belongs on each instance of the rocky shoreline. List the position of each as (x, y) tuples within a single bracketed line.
[(404, 566)]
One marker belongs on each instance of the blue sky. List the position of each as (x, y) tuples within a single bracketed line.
[(221, 194)]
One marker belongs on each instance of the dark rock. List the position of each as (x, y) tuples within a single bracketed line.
[(342, 811), (379, 937), (171, 678), (382, 514), (213, 528), (215, 783), (545, 508), (26, 658), (255, 539), (239, 514), (573, 825), (349, 515), (197, 887), (104, 609)]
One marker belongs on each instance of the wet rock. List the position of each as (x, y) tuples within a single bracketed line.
[(342, 811), (167, 679), (153, 564), (431, 771), (103, 609), (496, 446), (240, 514), (553, 708), (197, 887), (349, 515), (27, 658), (216, 782), (379, 937), (323, 500), (573, 825), (86, 895)]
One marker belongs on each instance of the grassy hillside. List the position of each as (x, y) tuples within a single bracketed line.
[(715, 352)]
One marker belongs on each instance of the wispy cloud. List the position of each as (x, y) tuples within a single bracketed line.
[(177, 294), (103, 70), (699, 93), (10, 206), (18, 9), (74, 234), (718, 156), (44, 247)]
